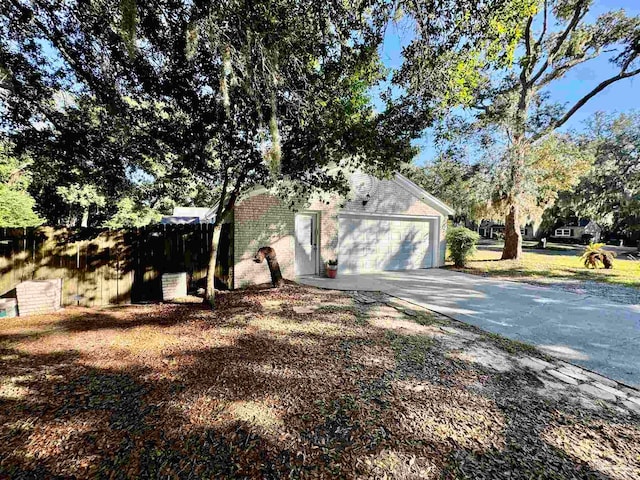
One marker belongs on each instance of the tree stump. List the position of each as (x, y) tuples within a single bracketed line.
[(269, 254)]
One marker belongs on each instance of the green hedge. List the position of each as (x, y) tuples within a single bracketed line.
[(462, 244)]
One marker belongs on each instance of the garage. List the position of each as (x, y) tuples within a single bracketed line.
[(371, 243)]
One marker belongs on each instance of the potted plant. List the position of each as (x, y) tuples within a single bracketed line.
[(332, 268)]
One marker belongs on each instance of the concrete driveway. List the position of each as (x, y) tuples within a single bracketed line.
[(596, 333)]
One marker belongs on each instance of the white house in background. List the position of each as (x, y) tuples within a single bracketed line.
[(575, 231), (183, 215)]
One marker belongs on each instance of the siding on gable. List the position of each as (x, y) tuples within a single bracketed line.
[(389, 197)]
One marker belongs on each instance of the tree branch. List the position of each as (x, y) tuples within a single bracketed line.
[(527, 37), (580, 103), (57, 38), (478, 106), (559, 71), (544, 25), (223, 194), (578, 14)]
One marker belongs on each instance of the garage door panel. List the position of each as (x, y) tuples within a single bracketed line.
[(369, 245)]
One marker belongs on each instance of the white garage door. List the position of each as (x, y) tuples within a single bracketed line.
[(370, 244)]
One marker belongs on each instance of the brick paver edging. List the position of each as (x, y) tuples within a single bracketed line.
[(591, 383)]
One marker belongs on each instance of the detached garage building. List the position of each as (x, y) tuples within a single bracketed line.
[(384, 225)]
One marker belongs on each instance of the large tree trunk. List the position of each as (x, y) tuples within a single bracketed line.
[(210, 291), (512, 236)]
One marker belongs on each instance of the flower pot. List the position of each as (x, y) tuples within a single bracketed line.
[(332, 271)]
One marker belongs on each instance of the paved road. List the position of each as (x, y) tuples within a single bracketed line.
[(596, 333)]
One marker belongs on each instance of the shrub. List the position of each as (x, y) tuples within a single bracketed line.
[(595, 257), (462, 244)]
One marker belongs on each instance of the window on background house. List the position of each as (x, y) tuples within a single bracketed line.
[(563, 232)]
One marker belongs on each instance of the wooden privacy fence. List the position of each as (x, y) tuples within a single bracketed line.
[(101, 267)]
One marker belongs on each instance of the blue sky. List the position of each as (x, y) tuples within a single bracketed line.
[(619, 97)]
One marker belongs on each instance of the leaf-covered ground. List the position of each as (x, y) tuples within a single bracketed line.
[(295, 383)]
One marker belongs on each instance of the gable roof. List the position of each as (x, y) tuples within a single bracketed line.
[(423, 195), (208, 214)]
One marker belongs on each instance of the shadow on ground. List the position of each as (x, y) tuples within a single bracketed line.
[(271, 386)]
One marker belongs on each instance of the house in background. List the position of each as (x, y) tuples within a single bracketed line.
[(582, 230), (182, 215), (389, 224), (490, 229)]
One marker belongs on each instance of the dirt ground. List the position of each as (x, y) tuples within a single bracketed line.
[(293, 383)]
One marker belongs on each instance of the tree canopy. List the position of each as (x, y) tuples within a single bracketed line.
[(234, 93), (485, 70), (610, 193), (463, 186), (17, 207)]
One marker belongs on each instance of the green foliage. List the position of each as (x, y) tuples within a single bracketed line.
[(233, 94), (554, 165), (16, 204), (484, 72), (464, 187), (80, 198), (221, 95), (462, 244), (128, 24), (609, 193), (595, 256), (17, 208), (132, 214), (83, 196)]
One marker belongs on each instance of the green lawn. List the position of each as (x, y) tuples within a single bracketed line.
[(552, 264)]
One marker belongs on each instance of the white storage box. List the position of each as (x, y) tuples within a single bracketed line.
[(39, 296), (174, 285)]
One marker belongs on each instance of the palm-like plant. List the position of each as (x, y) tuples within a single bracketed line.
[(595, 256)]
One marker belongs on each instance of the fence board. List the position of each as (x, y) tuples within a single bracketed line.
[(101, 267)]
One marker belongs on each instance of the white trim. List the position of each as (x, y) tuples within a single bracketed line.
[(562, 230), (423, 195), (316, 236), (257, 190), (435, 242)]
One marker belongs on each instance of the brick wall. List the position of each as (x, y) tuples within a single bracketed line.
[(260, 221), (39, 296)]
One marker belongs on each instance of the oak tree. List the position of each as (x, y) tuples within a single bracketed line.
[(487, 66), (237, 92)]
